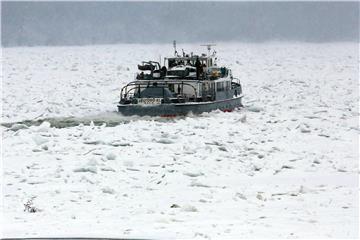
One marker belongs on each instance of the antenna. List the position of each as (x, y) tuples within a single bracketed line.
[(208, 47), (174, 45)]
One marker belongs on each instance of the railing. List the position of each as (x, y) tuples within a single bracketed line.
[(237, 86), (237, 80), (127, 94)]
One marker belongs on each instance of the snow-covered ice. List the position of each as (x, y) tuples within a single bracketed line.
[(284, 166)]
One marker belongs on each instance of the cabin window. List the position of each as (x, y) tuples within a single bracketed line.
[(171, 63), (227, 85), (220, 86), (224, 71), (205, 86), (178, 73)]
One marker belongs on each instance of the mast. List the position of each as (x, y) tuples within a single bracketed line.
[(208, 47), (174, 45)]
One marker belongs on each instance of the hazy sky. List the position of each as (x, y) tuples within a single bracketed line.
[(77, 23)]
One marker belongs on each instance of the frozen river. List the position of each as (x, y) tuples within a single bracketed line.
[(284, 166)]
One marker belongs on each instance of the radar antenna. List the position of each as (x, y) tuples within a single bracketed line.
[(208, 47)]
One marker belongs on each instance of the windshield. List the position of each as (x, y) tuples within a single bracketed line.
[(180, 73)]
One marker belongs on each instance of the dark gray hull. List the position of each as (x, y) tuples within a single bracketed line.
[(180, 109)]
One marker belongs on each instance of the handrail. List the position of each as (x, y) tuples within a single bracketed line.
[(238, 80), (124, 90)]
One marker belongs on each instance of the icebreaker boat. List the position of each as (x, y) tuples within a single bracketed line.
[(185, 83)]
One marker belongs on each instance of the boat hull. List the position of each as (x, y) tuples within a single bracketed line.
[(180, 109)]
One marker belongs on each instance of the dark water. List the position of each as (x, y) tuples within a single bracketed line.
[(111, 119)]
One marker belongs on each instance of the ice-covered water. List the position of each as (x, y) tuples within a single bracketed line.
[(286, 165)]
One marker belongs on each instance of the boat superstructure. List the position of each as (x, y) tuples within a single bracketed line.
[(184, 83)]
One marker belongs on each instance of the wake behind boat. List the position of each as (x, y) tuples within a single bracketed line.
[(184, 84)]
